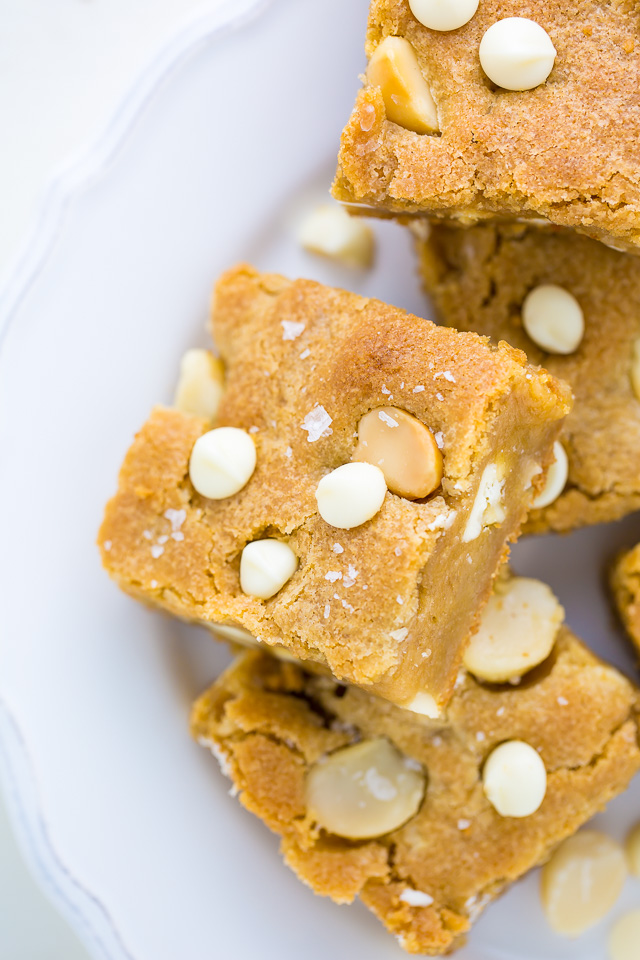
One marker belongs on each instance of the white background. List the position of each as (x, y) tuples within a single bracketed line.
[(64, 64)]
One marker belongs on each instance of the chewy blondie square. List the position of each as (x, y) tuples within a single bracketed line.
[(479, 279), (389, 603), (277, 729), (566, 151), (625, 585)]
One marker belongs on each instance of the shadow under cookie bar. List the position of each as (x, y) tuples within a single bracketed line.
[(479, 278), (271, 725), (390, 603), (625, 587), (567, 151)]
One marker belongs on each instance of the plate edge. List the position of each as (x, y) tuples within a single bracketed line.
[(85, 913)]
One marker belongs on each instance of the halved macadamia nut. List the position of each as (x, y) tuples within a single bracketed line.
[(364, 790), (405, 450), (582, 881), (517, 631), (394, 68)]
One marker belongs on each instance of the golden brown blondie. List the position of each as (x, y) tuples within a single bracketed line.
[(389, 602), (301, 748), (625, 584), (566, 151), (480, 278)]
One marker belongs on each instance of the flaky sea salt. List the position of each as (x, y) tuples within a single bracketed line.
[(337, 548), (418, 389), (327, 611), (305, 353), (317, 423), (416, 898), (464, 824), (351, 576), (107, 545), (156, 551), (175, 517), (390, 422), (446, 375), (291, 330), (333, 575), (439, 438), (288, 452)]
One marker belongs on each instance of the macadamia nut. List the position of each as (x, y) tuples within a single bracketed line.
[(582, 881), (517, 631), (404, 449), (364, 790), (487, 507), (222, 462), (624, 941), (394, 68), (331, 232), (200, 384)]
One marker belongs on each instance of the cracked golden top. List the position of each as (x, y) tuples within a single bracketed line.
[(390, 603), (479, 279), (270, 723), (567, 151)]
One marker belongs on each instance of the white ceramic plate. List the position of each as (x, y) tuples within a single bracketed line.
[(229, 135)]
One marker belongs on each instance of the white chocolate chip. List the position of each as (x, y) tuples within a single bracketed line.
[(425, 705), (364, 790), (556, 481), (632, 847), (222, 462), (351, 494), (487, 507), (635, 368), (624, 940), (200, 384), (517, 631), (405, 450), (265, 567), (582, 881), (443, 15), (416, 898), (515, 779), (331, 232), (553, 318), (408, 101), (517, 53)]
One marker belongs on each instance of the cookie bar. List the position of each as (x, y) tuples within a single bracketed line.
[(625, 585), (305, 547), (487, 278), (408, 825), (436, 132)]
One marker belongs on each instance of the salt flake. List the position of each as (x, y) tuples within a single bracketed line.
[(291, 330), (390, 422), (317, 423)]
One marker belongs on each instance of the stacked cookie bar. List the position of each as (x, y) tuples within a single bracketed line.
[(335, 494)]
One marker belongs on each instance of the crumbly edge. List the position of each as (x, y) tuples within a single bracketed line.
[(624, 579), (230, 719)]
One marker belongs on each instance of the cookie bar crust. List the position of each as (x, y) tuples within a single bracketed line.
[(567, 151), (478, 279), (270, 722), (380, 604), (625, 587)]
